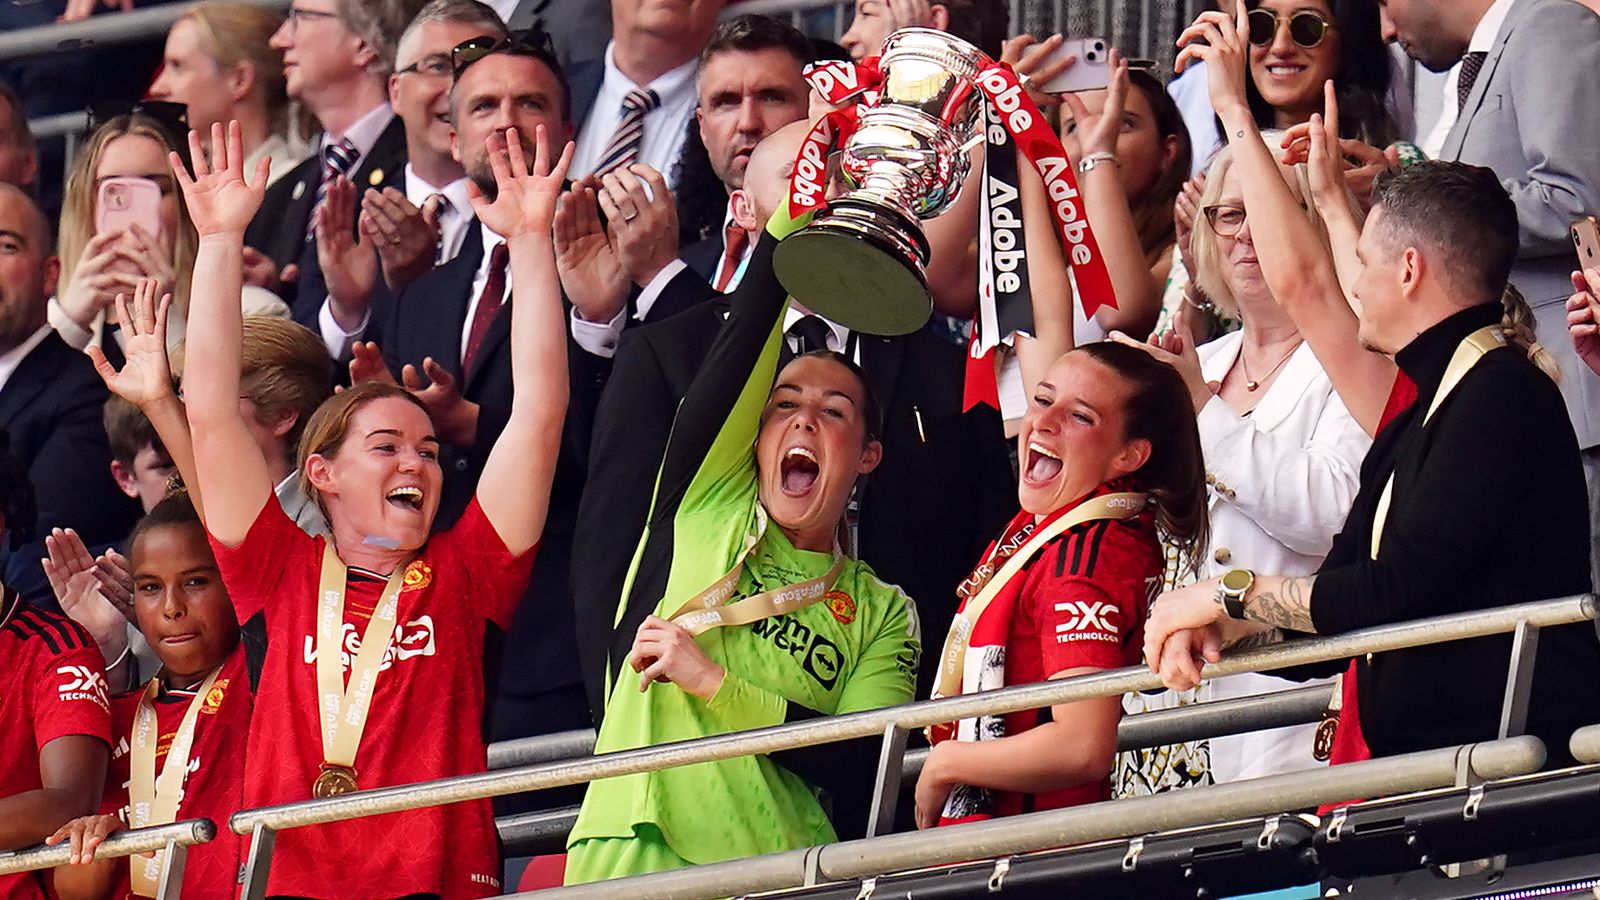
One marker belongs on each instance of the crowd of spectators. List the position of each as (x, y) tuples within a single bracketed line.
[(439, 343)]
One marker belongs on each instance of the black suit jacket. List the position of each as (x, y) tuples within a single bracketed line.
[(51, 409), (942, 492), (426, 319), (279, 228), (702, 257)]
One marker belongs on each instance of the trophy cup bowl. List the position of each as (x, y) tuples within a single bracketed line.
[(862, 261)]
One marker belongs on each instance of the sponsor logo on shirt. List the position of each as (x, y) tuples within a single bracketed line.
[(818, 656), (841, 606), (83, 683), (480, 878), (1087, 621), (412, 640)]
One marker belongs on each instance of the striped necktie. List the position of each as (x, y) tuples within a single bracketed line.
[(337, 159), (623, 149)]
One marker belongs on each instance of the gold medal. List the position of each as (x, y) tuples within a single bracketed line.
[(1322, 745), (334, 781)]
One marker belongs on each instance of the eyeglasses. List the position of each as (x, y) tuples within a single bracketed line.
[(534, 42), (1226, 221), (1307, 27), (434, 65), (299, 14)]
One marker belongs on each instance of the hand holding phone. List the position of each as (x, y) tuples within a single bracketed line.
[(1586, 238), (1092, 71), (125, 202)]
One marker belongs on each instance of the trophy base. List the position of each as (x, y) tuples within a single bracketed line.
[(859, 265)]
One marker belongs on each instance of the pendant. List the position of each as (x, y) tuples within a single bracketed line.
[(334, 781), (1251, 385)]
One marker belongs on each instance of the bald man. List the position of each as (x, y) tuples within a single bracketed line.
[(943, 491), (50, 403)]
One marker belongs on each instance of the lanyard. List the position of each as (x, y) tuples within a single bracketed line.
[(710, 608), (153, 799)]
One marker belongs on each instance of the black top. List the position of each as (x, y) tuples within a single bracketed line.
[(1488, 509)]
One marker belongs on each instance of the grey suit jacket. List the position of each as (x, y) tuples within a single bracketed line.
[(1533, 116)]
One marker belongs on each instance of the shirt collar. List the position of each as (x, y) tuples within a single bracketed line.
[(365, 131), (1483, 36), (669, 86), (841, 334), (490, 239), (1425, 358), (418, 190)]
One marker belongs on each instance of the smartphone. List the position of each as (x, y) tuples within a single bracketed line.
[(1092, 71), (1586, 237), (128, 201)]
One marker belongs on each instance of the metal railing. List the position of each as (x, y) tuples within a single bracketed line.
[(894, 723), (175, 839), (1075, 825)]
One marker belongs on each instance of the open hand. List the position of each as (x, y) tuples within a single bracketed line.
[(525, 196), (454, 416), (1222, 42), (349, 265), (1583, 317), (1098, 132), (115, 574), (366, 364), (219, 198), (1185, 212), (663, 651), (591, 274), (146, 374), (71, 573)]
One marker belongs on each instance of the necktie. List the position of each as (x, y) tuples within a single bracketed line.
[(489, 303), (810, 334), (623, 149), (441, 211), (1471, 65), (734, 240), (337, 159)]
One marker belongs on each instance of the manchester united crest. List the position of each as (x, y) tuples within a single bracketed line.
[(212, 703), (418, 576), (841, 606)]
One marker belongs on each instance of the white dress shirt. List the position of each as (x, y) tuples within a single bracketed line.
[(284, 157), (1483, 37), (665, 127), (454, 219), (363, 132), (12, 358), (1282, 480)]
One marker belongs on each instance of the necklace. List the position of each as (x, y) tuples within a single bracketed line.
[(1253, 384)]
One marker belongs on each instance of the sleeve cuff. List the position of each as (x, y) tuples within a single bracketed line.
[(744, 706), (597, 338), (334, 337), (652, 291), (76, 336)]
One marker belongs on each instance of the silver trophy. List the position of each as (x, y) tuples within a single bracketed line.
[(861, 262)]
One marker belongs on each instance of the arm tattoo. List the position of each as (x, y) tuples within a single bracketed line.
[(1288, 608), (1259, 639)]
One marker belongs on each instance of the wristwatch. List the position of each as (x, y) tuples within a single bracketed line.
[(1232, 590), (1096, 158)]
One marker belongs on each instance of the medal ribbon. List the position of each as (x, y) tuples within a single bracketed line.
[(710, 608), (1121, 505), (343, 710), (1472, 348), (153, 799)]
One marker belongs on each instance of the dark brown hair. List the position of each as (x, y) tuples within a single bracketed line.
[(1152, 216), (871, 411), (1160, 411)]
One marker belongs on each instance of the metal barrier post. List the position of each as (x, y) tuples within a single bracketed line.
[(886, 792), (1519, 679), (170, 887), (259, 865)]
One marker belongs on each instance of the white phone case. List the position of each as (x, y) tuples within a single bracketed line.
[(1092, 71)]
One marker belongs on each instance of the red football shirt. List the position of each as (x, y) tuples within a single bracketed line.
[(1083, 604), (53, 685), (426, 713), (214, 788)]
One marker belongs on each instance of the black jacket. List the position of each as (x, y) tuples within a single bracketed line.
[(1488, 509), (50, 409), (927, 513), (280, 226)]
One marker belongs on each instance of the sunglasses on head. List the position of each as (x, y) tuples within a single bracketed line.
[(1307, 28), (534, 42), (171, 118)]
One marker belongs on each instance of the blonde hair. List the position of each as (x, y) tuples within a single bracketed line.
[(330, 425), (1517, 327), (284, 368), (1203, 243), (77, 206), (232, 33)]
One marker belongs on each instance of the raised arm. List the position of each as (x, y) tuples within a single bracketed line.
[(1297, 267), (229, 468), (1048, 282), (514, 490)]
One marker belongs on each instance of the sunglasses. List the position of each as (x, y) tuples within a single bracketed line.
[(1307, 28), (534, 42), (172, 119)]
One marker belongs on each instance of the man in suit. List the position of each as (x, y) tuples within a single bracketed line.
[(452, 326), (50, 402), (634, 105), (943, 491), (337, 57), (1529, 72)]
